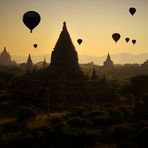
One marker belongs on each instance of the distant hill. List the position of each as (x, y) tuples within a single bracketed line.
[(121, 58)]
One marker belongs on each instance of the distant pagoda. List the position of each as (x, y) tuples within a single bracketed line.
[(29, 65), (5, 58), (64, 59), (94, 75), (108, 64)]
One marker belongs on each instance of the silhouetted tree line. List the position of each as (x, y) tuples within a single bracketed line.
[(37, 113)]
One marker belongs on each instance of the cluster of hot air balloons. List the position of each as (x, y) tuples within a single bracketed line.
[(31, 19), (132, 11), (117, 36), (128, 39)]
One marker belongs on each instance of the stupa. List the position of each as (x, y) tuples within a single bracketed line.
[(64, 59), (5, 58), (94, 75), (108, 64), (29, 64)]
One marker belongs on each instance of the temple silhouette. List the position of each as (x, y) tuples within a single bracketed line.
[(64, 59), (5, 58), (108, 64), (29, 65), (44, 65)]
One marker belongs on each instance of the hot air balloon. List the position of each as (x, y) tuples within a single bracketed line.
[(132, 10), (116, 37), (133, 41), (31, 19), (79, 41), (127, 40), (35, 45)]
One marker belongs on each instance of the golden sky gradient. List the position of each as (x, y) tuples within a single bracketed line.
[(92, 20)]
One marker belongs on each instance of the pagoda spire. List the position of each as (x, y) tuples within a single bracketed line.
[(5, 50), (108, 57), (64, 26), (29, 64), (44, 63), (64, 42), (29, 60)]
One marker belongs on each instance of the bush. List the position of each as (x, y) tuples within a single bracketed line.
[(57, 122), (10, 127), (145, 98), (79, 122), (116, 116), (96, 113), (101, 120), (77, 111), (127, 112), (25, 114), (142, 137)]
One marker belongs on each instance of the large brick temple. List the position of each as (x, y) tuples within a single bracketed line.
[(64, 59)]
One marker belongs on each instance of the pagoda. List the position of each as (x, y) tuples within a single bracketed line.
[(94, 75), (64, 59), (5, 58), (29, 64), (108, 64)]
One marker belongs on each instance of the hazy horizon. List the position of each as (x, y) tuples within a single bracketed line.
[(118, 58)]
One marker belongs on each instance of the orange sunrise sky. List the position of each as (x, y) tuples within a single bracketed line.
[(92, 20)]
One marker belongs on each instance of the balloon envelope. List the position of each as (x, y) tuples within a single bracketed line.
[(31, 19), (133, 41), (116, 37), (132, 10), (127, 40), (79, 41), (35, 45)]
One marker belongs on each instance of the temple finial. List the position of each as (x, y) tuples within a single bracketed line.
[(108, 56), (5, 48), (64, 23), (64, 26)]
